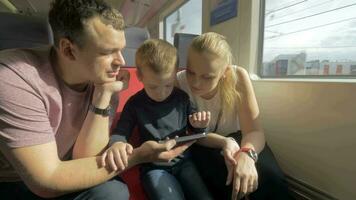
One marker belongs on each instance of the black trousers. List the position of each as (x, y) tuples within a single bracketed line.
[(110, 190), (211, 165)]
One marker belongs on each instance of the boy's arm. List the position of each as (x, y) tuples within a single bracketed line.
[(125, 125)]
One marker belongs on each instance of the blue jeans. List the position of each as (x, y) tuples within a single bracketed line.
[(110, 190), (181, 181)]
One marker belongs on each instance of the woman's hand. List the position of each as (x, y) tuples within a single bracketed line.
[(229, 149), (245, 177)]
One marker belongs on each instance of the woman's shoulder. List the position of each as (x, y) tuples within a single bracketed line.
[(181, 75), (181, 82), (242, 74)]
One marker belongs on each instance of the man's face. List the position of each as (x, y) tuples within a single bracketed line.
[(100, 58)]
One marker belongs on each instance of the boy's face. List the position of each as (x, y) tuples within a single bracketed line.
[(157, 86)]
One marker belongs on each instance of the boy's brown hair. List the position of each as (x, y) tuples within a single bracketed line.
[(159, 55)]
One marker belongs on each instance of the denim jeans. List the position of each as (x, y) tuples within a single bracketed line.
[(181, 181), (110, 190)]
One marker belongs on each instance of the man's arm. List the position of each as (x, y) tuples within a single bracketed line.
[(94, 134), (47, 176)]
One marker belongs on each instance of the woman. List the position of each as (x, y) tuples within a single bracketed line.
[(235, 138)]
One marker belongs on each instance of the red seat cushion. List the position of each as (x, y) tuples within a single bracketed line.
[(131, 176)]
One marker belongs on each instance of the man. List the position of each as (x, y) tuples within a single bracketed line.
[(54, 105)]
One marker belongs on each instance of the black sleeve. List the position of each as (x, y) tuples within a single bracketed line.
[(123, 130), (191, 110)]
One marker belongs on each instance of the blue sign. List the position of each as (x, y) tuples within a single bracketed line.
[(224, 10)]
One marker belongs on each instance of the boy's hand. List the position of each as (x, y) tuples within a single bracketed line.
[(116, 156), (200, 119), (152, 151)]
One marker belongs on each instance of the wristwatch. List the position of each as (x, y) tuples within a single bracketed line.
[(250, 152), (103, 112)]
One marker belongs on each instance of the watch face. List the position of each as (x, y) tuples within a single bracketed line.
[(253, 155)]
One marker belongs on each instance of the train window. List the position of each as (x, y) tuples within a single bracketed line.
[(309, 39), (186, 19)]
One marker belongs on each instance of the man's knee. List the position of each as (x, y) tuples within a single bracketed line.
[(110, 190)]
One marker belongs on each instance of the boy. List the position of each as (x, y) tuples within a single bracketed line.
[(160, 111)]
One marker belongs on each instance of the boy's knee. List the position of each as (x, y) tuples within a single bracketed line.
[(110, 190)]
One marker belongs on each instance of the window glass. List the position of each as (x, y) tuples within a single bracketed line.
[(186, 19), (309, 38)]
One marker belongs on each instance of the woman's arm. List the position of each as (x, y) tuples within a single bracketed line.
[(245, 176), (214, 140), (252, 132)]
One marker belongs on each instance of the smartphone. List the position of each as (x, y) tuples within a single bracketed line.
[(190, 137)]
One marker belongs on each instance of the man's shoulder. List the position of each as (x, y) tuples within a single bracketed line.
[(11, 56), (25, 61), (27, 68)]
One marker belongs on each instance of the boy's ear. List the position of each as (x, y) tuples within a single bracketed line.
[(139, 74)]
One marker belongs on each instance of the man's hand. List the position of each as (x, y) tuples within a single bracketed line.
[(121, 83), (116, 156), (152, 151), (200, 119), (103, 92)]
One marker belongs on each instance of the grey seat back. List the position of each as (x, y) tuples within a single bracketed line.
[(182, 42), (135, 36), (17, 31)]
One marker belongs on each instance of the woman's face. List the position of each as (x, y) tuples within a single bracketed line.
[(204, 72)]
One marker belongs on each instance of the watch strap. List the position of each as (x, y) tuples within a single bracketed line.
[(250, 152), (103, 112)]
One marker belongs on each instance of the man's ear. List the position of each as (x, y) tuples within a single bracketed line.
[(66, 48)]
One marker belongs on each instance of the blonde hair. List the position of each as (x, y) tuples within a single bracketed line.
[(216, 44), (159, 55)]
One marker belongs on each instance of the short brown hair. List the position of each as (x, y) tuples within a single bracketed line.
[(67, 18), (159, 55)]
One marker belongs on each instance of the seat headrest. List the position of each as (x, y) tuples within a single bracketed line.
[(182, 42), (135, 36), (17, 31)]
